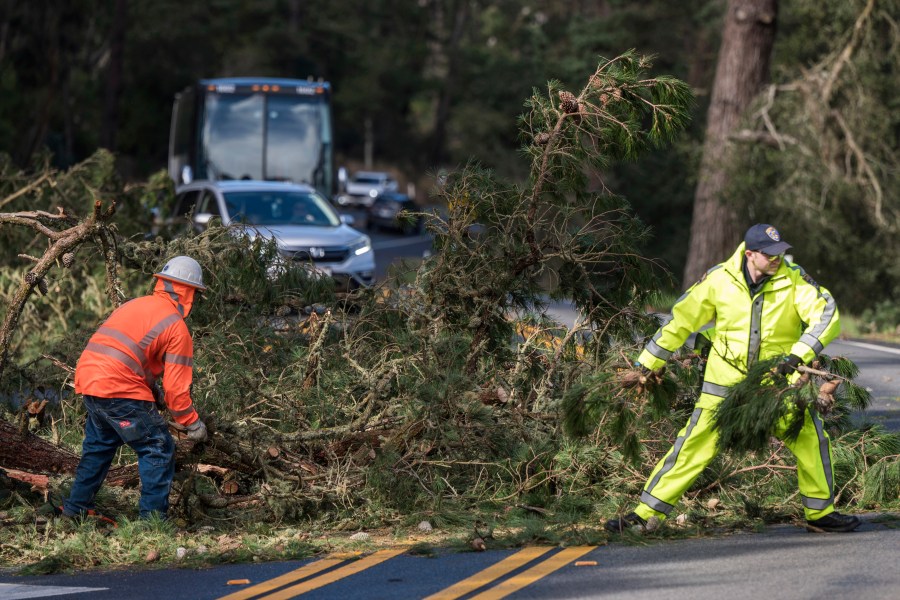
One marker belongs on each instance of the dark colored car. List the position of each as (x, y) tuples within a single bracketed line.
[(385, 213)]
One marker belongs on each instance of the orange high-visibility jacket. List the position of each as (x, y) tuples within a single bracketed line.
[(139, 341)]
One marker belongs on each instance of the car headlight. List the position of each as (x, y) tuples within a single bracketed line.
[(373, 193), (361, 247)]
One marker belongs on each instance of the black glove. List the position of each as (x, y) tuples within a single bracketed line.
[(788, 365)]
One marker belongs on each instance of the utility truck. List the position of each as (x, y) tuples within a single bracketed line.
[(253, 129)]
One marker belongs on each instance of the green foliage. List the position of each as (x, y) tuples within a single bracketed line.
[(867, 470), (765, 402), (585, 243), (618, 413), (242, 273), (883, 317), (824, 159), (44, 188)]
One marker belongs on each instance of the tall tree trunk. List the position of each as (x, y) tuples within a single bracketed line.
[(741, 72), (36, 133), (114, 77), (295, 16), (449, 50)]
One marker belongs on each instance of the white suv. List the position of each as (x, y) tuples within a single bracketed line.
[(302, 222), (365, 186)]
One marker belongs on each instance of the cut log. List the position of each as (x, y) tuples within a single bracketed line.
[(39, 483), (25, 451)]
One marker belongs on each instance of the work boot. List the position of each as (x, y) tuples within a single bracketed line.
[(59, 511), (620, 524), (833, 523)]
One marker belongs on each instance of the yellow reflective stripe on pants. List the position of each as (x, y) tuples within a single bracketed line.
[(695, 448), (815, 470)]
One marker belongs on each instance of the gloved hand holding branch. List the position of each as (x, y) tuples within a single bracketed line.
[(759, 405), (788, 365), (196, 431)]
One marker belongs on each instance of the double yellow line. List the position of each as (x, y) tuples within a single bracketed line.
[(305, 574), (309, 570), (508, 565)]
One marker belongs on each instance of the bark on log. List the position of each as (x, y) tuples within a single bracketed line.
[(28, 452), (33, 454), (38, 482)]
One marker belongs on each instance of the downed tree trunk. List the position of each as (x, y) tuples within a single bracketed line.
[(38, 483), (27, 452)]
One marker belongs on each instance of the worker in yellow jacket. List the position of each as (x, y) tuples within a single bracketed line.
[(763, 307)]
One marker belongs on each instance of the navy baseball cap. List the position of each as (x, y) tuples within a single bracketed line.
[(766, 239)]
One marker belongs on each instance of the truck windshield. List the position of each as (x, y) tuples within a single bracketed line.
[(261, 136)]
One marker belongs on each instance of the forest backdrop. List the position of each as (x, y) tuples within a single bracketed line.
[(438, 82)]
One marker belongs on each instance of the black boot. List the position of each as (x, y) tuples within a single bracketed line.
[(620, 524), (834, 523)]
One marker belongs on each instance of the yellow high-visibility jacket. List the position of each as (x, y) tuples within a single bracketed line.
[(791, 314)]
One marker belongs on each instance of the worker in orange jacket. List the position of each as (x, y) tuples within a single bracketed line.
[(117, 375)]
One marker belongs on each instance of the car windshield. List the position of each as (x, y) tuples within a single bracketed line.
[(280, 208), (368, 179)]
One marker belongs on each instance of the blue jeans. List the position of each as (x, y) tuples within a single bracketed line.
[(112, 422)]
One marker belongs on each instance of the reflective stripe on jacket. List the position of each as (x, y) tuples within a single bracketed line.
[(141, 340), (791, 314)]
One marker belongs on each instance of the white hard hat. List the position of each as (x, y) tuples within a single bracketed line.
[(183, 269)]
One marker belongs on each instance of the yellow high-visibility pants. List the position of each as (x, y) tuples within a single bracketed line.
[(695, 447)]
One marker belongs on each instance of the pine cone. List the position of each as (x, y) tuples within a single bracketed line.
[(825, 401), (641, 380), (542, 138), (68, 259), (31, 278), (42, 286), (569, 103), (631, 378)]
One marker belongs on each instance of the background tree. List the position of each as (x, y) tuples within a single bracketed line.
[(742, 69), (116, 62), (819, 152)]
